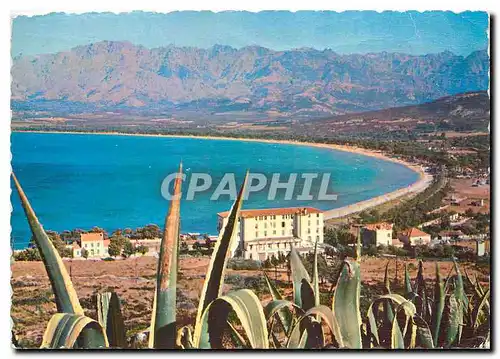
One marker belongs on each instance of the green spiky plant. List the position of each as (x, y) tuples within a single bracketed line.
[(447, 318)]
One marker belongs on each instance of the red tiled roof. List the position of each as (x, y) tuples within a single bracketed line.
[(376, 226), (415, 232), (250, 213), (91, 237)]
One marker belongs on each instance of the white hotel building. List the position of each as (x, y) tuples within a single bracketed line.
[(264, 232)]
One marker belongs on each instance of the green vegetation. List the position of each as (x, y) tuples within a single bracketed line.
[(453, 315)]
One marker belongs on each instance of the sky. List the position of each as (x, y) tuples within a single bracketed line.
[(345, 32)]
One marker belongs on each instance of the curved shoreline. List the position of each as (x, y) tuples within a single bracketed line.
[(418, 186)]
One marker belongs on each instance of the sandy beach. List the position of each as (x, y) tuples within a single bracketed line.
[(421, 184)]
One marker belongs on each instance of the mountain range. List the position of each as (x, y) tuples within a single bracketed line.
[(112, 75)]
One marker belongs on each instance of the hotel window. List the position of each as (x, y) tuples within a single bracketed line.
[(317, 237), (92, 244), (317, 214), (265, 225), (256, 234), (283, 232), (317, 230), (317, 222), (265, 233), (269, 246), (308, 230), (251, 247), (282, 224), (274, 232), (308, 223)]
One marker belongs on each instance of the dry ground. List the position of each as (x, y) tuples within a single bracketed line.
[(134, 282), (463, 188)]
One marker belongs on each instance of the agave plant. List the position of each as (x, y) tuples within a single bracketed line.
[(445, 318)]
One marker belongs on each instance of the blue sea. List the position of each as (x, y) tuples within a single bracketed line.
[(113, 181)]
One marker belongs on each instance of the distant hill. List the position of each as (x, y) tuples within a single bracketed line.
[(107, 76), (462, 112)]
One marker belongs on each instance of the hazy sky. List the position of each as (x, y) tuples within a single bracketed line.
[(346, 32)]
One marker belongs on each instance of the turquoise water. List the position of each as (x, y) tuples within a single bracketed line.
[(81, 181)]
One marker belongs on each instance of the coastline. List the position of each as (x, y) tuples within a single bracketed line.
[(418, 186)]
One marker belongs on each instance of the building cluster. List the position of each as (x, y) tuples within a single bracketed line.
[(262, 233), (382, 234)]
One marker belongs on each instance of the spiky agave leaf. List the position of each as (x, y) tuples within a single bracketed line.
[(64, 292), (297, 339), (424, 334), (70, 331), (315, 276), (109, 316), (303, 292), (184, 338), (214, 280), (421, 301), (408, 288), (284, 315), (372, 315), (248, 309), (478, 307), (346, 303), (164, 329), (452, 319), (437, 312), (387, 283)]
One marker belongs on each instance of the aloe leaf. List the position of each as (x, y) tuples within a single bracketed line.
[(64, 292), (164, 329), (214, 281), (73, 331), (346, 302), (110, 318), (438, 306)]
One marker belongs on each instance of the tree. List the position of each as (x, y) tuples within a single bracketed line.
[(142, 249), (128, 249), (115, 246), (85, 253)]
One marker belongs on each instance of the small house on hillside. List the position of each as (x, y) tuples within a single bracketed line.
[(377, 234), (414, 236)]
